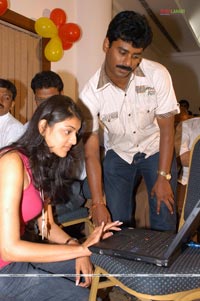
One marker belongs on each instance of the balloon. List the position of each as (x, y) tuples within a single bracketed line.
[(69, 32), (3, 6), (46, 13), (53, 50), (66, 45), (45, 27), (58, 16)]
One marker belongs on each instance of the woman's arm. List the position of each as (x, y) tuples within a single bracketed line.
[(12, 182), (52, 231)]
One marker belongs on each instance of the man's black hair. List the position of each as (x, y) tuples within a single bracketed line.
[(4, 83), (130, 27), (46, 79), (184, 103)]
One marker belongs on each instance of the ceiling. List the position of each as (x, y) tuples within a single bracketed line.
[(175, 23)]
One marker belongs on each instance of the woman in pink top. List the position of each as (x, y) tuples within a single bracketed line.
[(31, 172)]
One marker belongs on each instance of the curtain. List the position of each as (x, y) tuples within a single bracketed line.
[(20, 60)]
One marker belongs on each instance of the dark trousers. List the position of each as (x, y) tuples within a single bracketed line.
[(44, 283), (120, 181)]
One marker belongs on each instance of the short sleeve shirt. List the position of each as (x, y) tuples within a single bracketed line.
[(10, 129), (186, 133), (130, 116)]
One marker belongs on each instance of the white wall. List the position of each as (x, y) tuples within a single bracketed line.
[(86, 55), (34, 10), (94, 16), (81, 61), (184, 70)]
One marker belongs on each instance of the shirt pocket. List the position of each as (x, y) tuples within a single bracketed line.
[(145, 117), (145, 108), (110, 120)]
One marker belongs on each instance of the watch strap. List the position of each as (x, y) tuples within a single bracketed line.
[(164, 174)]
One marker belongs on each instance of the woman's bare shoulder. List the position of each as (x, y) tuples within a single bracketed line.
[(10, 159)]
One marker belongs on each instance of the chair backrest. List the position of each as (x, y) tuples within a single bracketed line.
[(192, 195)]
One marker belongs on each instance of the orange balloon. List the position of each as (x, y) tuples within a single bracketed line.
[(58, 16), (69, 32), (3, 6), (53, 50), (66, 45)]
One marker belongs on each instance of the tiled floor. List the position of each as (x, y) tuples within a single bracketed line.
[(118, 295), (115, 294)]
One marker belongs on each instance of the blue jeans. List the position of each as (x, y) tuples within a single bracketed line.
[(43, 287), (120, 182)]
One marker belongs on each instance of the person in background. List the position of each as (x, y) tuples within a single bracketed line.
[(185, 104), (48, 83), (186, 133), (44, 85), (183, 115), (31, 171), (10, 127), (134, 99)]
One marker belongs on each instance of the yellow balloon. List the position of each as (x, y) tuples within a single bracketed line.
[(46, 28), (53, 50)]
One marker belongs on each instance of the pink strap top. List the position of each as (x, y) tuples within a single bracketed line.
[(31, 203)]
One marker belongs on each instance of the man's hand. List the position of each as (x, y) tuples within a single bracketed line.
[(99, 213), (163, 192)]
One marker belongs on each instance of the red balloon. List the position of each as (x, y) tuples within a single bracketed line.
[(3, 6), (66, 45), (58, 16), (69, 32)]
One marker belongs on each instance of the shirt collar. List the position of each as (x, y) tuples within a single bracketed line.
[(5, 116), (105, 81)]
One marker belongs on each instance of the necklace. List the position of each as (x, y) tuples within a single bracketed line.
[(43, 215)]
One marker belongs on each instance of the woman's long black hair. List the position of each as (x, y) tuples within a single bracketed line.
[(49, 171)]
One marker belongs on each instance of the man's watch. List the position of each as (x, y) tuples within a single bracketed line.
[(164, 174)]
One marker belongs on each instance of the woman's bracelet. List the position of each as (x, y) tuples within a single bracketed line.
[(71, 239), (96, 204)]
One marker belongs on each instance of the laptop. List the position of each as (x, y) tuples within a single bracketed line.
[(159, 248)]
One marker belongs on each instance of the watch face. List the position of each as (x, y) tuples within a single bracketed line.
[(168, 177)]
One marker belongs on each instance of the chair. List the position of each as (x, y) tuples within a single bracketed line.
[(77, 216), (179, 282), (73, 211)]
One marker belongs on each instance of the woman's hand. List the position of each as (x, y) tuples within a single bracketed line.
[(85, 267), (102, 232)]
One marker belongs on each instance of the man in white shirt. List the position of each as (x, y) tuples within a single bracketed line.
[(135, 100), (186, 133), (10, 128)]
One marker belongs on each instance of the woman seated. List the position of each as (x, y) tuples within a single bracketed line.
[(31, 172)]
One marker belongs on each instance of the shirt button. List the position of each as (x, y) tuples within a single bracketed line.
[(134, 132), (129, 114)]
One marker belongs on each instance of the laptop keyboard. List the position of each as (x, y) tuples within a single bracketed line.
[(148, 242)]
